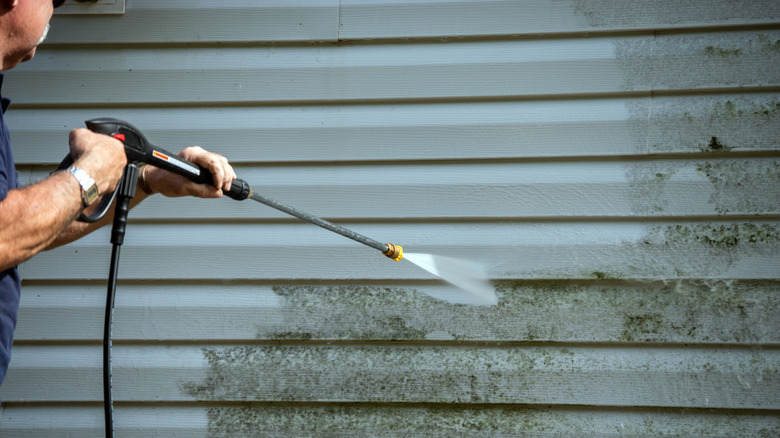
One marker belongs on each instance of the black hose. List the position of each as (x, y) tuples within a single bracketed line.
[(126, 192), (108, 402)]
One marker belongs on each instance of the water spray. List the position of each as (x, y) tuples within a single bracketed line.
[(466, 275)]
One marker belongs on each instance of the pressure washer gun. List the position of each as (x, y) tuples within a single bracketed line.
[(140, 151)]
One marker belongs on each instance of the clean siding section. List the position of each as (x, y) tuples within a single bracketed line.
[(614, 164)]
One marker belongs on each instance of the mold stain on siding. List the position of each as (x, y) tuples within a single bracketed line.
[(614, 13), (724, 238), (747, 186), (744, 186), (667, 311), (734, 59), (484, 421), (600, 310), (704, 123), (714, 124), (355, 312), (562, 311), (371, 373), (304, 387), (703, 250), (397, 421)]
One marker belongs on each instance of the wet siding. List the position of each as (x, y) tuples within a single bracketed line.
[(615, 165)]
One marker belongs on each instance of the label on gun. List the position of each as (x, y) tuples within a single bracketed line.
[(178, 163)]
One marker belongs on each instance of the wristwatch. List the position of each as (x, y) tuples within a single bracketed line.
[(89, 190)]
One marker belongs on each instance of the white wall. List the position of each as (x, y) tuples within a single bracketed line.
[(613, 163)]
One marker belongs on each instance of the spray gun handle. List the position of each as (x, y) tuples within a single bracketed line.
[(139, 150)]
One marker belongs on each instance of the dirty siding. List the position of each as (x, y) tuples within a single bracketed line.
[(614, 163)]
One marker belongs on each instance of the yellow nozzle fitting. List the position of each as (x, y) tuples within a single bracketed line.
[(395, 252)]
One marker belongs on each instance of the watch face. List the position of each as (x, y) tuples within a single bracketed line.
[(91, 195)]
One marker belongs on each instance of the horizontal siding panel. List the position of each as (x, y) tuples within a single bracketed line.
[(675, 311), (593, 376), (590, 250), (358, 132), (86, 421), (703, 187), (456, 131), (223, 21), (442, 18), (507, 190), (485, 69), (329, 73), (360, 421), (329, 20)]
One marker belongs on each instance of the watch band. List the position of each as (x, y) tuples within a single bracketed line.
[(89, 190)]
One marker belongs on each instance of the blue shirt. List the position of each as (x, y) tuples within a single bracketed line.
[(10, 283)]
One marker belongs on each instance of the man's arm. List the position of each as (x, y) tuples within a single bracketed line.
[(31, 218)]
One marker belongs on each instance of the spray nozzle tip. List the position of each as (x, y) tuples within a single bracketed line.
[(395, 252)]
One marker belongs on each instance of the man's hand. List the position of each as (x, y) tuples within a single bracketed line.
[(172, 185), (101, 156)]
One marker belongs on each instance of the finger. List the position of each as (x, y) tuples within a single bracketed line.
[(230, 174), (226, 172), (205, 191), (221, 172), (217, 170)]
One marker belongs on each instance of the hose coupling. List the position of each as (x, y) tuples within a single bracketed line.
[(395, 252)]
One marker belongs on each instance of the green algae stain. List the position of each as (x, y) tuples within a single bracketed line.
[(724, 52), (716, 146), (723, 236), (647, 327), (253, 421), (350, 312), (762, 44), (395, 421), (743, 186), (366, 373), (708, 250), (715, 124), (740, 108), (770, 110), (766, 44)]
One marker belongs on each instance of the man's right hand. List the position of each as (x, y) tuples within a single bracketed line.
[(101, 156)]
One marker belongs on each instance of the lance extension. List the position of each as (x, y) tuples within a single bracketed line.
[(395, 252), (139, 150)]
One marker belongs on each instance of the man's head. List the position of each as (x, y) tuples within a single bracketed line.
[(23, 25)]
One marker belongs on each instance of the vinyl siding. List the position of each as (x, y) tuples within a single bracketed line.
[(614, 164)]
